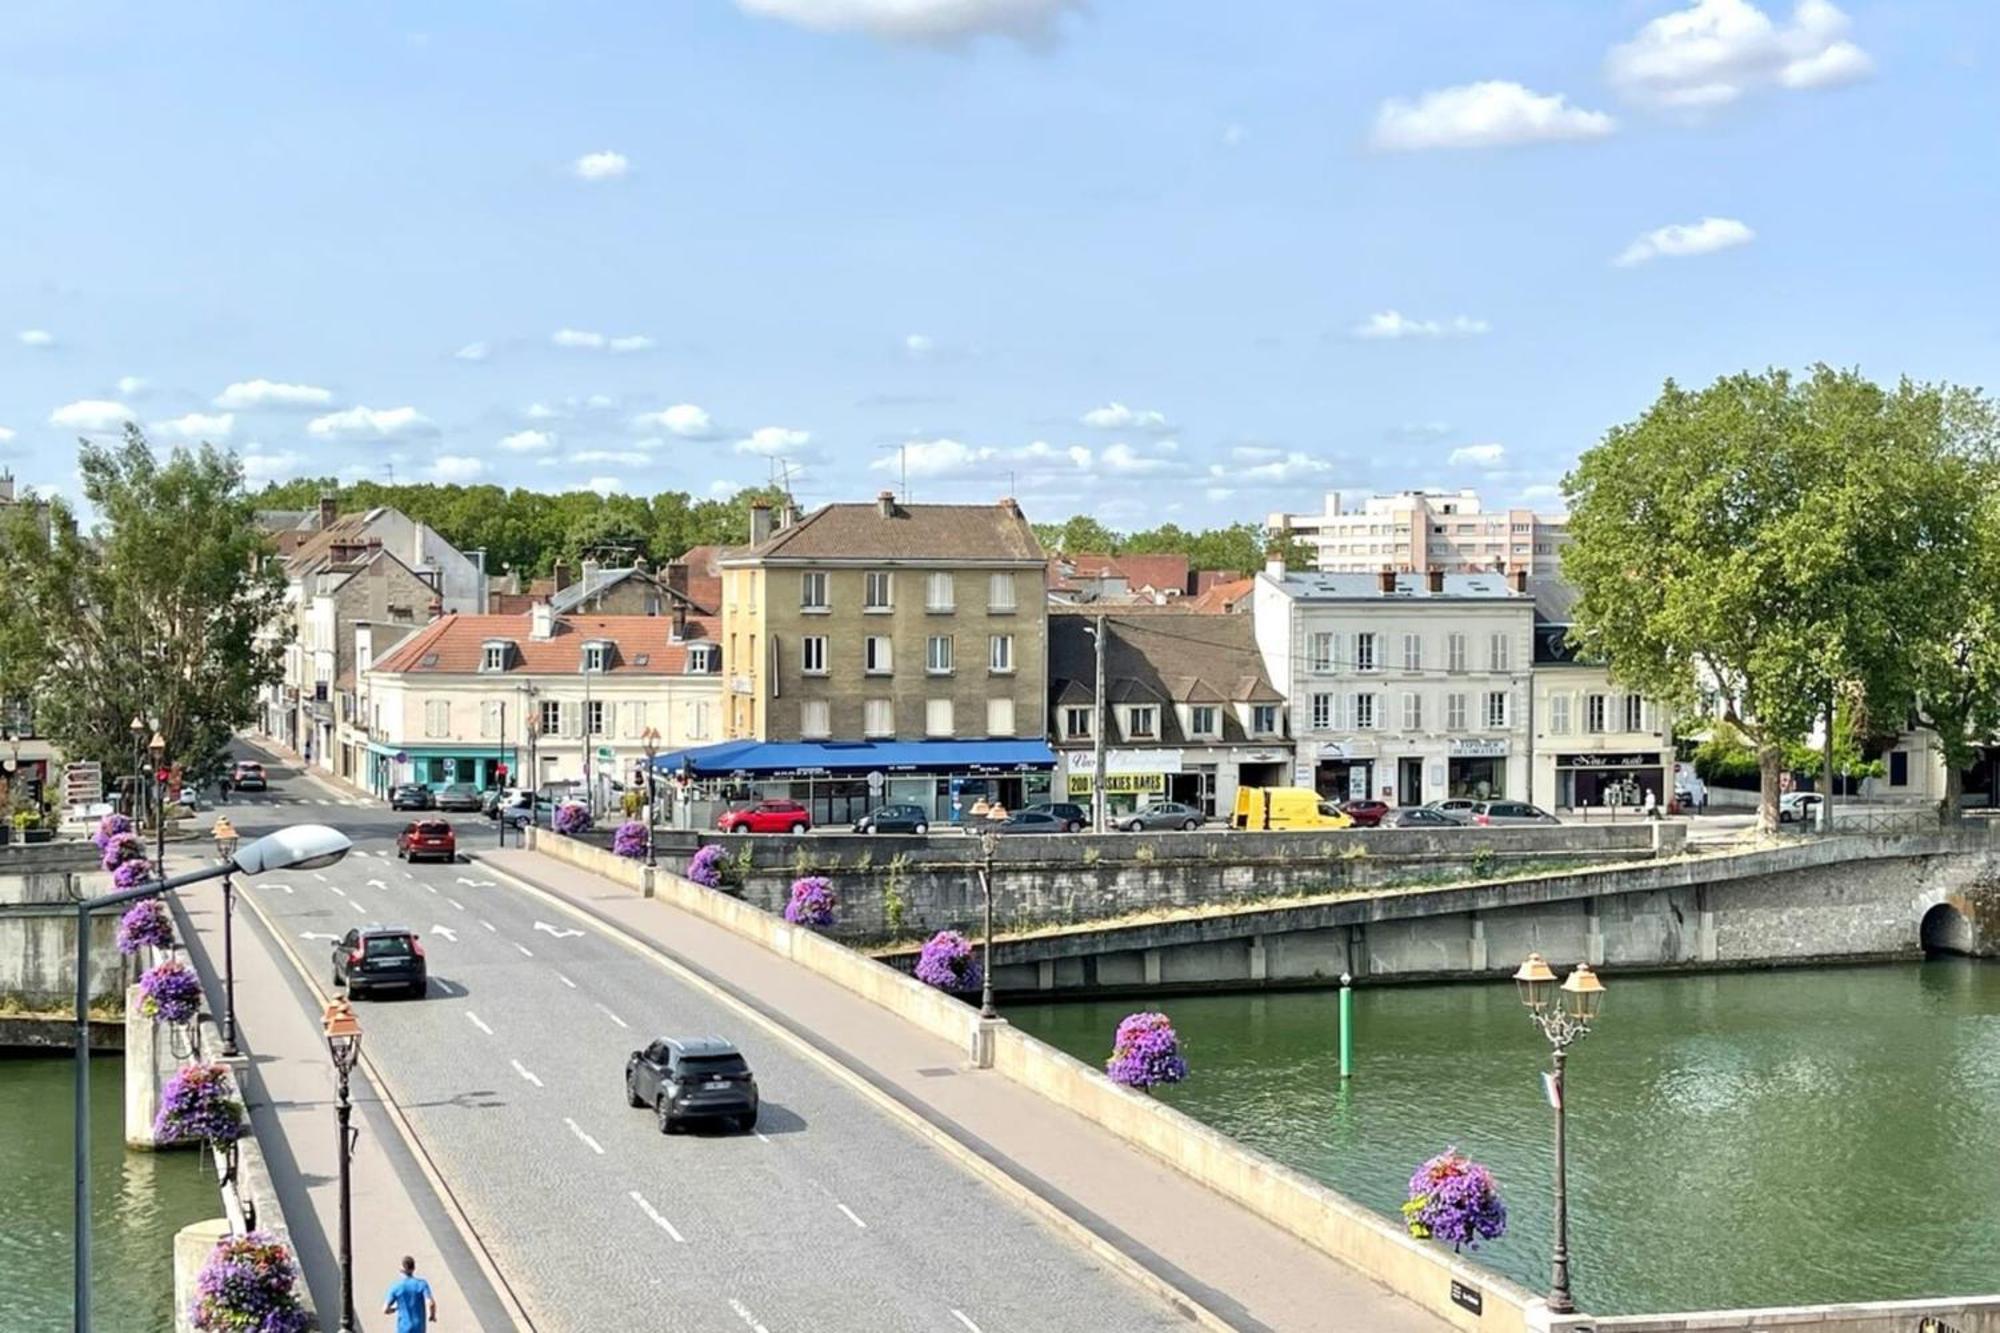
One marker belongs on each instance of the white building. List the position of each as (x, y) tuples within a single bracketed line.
[(1596, 745), (1450, 531), (1404, 687)]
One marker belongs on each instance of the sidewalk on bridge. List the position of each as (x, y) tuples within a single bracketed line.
[(289, 1085), (1243, 1269)]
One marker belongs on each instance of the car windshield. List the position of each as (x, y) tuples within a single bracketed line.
[(388, 946), (433, 828), (713, 1066), (1328, 808)]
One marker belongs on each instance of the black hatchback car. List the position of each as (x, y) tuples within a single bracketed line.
[(895, 819), (1074, 817), (692, 1078), (412, 796), (374, 958)]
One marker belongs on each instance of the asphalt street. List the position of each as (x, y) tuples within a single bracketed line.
[(831, 1216)]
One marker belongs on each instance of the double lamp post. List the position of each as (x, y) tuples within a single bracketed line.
[(1564, 1014)]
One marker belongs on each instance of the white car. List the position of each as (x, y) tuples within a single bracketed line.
[(1799, 807)]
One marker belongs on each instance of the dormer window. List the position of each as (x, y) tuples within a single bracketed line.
[(704, 659), (597, 656), (496, 655)]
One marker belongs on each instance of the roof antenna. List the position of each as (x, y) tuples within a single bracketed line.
[(902, 467)]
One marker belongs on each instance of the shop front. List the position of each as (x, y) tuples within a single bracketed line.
[(437, 765), (1345, 770), (1595, 780), (1476, 769)]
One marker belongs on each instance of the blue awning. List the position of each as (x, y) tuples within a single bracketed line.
[(857, 757)]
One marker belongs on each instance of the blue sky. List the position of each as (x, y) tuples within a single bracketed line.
[(1150, 259)]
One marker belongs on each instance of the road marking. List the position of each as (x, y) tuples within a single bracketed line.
[(613, 1017), (959, 1315), (743, 1313), (850, 1216), (286, 887), (377, 884), (322, 802), (654, 1213), (309, 935), (445, 931), (337, 889), (760, 1136), (556, 931), (589, 1142), (565, 981), (524, 951), (522, 1070), (487, 924), (480, 1023), (456, 903), (321, 878), (431, 888)]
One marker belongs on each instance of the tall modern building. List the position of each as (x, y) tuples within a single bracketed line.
[(1419, 531)]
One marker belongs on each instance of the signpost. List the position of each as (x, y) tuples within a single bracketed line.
[(83, 784)]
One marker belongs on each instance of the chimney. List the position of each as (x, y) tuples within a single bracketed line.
[(1010, 506), (590, 568), (677, 579), (680, 621), (1436, 577), (436, 607), (556, 574), (1519, 578), (639, 563), (788, 516), (885, 504), (1274, 565), (541, 621), (1387, 576), (760, 522), (329, 510)]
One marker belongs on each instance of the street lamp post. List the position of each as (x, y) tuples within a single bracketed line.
[(138, 729), (989, 840), (1564, 1015), (343, 1043), (157, 747), (300, 847), (226, 840), (651, 742)]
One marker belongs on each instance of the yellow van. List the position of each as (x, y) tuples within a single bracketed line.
[(1285, 808)]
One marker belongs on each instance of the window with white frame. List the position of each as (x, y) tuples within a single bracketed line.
[(1322, 652), (1596, 712), (815, 719), (812, 591), (1635, 713), (812, 654), (878, 717), (1364, 652), (1454, 712), (1559, 715), (1322, 712), (697, 719), (878, 656), (937, 717), (437, 718), (1142, 722), (999, 717), (636, 719), (1454, 653), (596, 656), (879, 592), (493, 657), (939, 592), (1496, 710), (1076, 721), (593, 718), (1264, 719), (1000, 592), (551, 717), (1364, 712), (1000, 654), (1413, 652), (1498, 654), (1202, 721), (937, 655), (704, 659), (1413, 711)]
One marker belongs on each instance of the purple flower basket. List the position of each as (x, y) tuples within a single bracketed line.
[(1453, 1198), (572, 818), (250, 1283), (131, 874), (123, 847), (812, 903), (147, 924), (630, 839), (108, 828), (948, 962), (170, 992), (1146, 1052), (705, 867), (195, 1106)]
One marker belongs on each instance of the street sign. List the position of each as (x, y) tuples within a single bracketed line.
[(875, 782), (83, 784), (1467, 1298), (606, 754), (1552, 1090)]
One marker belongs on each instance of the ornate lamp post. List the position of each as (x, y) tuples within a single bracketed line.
[(343, 1043), (989, 842), (226, 840), (138, 730), (1564, 1015), (157, 747), (650, 741)]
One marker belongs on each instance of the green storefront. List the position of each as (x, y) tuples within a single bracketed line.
[(439, 765)]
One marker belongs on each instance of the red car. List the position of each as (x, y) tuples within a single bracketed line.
[(427, 837), (1365, 814), (766, 817)]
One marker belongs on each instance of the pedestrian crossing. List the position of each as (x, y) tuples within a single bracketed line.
[(244, 798)]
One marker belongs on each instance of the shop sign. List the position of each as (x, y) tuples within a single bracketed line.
[(1339, 750), (1121, 784), (1141, 761), (1607, 761), (1476, 749), (1264, 757)]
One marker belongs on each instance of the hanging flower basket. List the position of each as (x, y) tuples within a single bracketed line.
[(131, 874), (123, 847), (108, 828), (249, 1284), (146, 925), (1453, 1198), (630, 840), (705, 867), (170, 992), (812, 902), (948, 962), (195, 1106), (1146, 1052), (572, 818)]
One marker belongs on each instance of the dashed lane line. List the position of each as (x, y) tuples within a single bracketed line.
[(526, 952), (588, 1141), (613, 1017), (851, 1216), (565, 981), (743, 1313), (522, 1070), (489, 925), (959, 1315), (654, 1214), (479, 1022)]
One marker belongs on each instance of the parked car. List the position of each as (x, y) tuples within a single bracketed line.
[(523, 808), (1286, 808), (1364, 812), (458, 796), (1075, 817), (1420, 816), (1510, 812), (692, 1078), (1799, 807), (412, 796), (1029, 821), (495, 797), (766, 817), (1458, 807), (372, 958), (1160, 815), (895, 819), (427, 837), (248, 775)]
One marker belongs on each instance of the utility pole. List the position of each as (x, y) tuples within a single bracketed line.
[(1097, 736)]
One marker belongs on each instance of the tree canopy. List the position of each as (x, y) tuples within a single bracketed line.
[(1239, 546)]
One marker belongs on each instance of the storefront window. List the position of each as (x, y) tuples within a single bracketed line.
[(1479, 779)]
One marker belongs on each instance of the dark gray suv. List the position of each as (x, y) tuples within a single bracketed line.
[(692, 1078)]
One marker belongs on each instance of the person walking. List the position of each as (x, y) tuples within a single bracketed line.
[(410, 1300)]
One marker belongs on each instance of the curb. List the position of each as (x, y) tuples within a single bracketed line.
[(987, 1169)]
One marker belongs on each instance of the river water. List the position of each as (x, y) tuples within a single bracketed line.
[(1751, 1138), (139, 1200)]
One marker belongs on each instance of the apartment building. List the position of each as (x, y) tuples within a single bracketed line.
[(1596, 744), (1405, 687), (1449, 531)]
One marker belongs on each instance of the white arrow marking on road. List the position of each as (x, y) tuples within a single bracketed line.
[(556, 931), (377, 884), (589, 1142), (524, 950), (565, 981), (851, 1217), (743, 1313), (480, 1023), (654, 1213), (286, 887), (522, 1070), (310, 935), (445, 931), (613, 1017), (959, 1315)]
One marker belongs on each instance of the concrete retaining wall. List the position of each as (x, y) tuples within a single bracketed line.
[(1970, 1314), (38, 946)]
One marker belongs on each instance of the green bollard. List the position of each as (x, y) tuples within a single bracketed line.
[(1346, 1025)]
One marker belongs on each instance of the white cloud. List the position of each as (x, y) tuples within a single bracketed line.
[(941, 22), (1122, 459), (598, 342), (368, 422), (1117, 416), (196, 426), (636, 342), (457, 467), (527, 441), (259, 466), (1042, 451), (682, 419), (770, 441), (92, 416), (1395, 324), (722, 490), (1714, 51), (36, 338), (604, 166), (5, 435), (1257, 463), (1682, 239), (473, 352), (604, 485), (576, 338), (540, 412), (130, 384), (1492, 114), (935, 458), (1478, 455), (919, 345), (250, 395), (629, 456)]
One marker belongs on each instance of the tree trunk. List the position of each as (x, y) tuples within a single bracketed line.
[(1951, 811), (1770, 764)]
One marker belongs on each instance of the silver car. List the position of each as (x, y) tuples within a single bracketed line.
[(1458, 807), (1160, 815), (1421, 816), (1510, 812)]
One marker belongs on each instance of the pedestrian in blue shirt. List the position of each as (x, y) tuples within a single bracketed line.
[(410, 1300)]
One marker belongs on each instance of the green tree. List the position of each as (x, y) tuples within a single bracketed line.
[(157, 613)]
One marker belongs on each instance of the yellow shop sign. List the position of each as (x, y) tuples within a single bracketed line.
[(1121, 784)]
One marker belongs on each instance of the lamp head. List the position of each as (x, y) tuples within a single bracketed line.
[(1583, 993), (138, 726), (343, 1034), (158, 745), (1535, 982), (225, 837), (299, 847)]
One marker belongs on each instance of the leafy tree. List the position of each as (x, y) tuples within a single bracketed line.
[(156, 614)]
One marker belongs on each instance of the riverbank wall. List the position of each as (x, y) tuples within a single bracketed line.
[(40, 885)]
